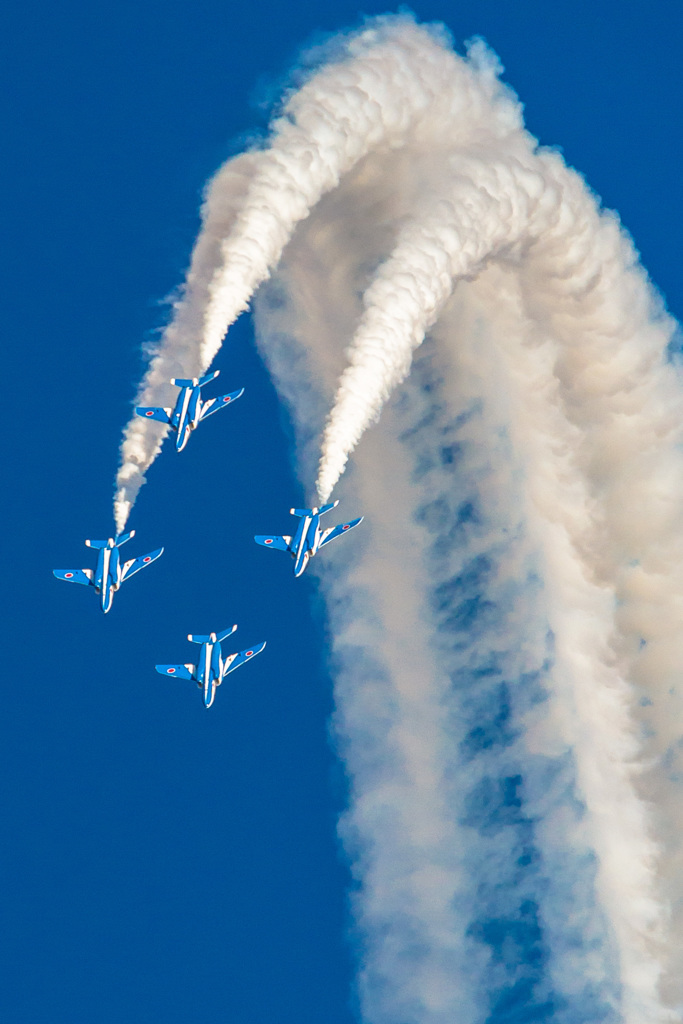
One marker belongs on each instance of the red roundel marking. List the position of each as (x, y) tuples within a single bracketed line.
[(269, 541), (170, 671), (150, 413), (344, 527), (147, 559), (68, 575), (227, 398), (248, 653)]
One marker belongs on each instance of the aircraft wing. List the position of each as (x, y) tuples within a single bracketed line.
[(163, 415), (336, 531), (74, 575), (214, 404), (177, 671), (135, 564), (234, 661), (281, 543)]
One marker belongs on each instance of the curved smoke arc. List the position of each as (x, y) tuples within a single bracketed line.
[(507, 648)]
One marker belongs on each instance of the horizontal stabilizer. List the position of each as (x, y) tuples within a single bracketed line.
[(268, 541), (177, 671), (206, 638), (214, 404), (208, 377), (152, 413), (124, 538), (225, 633), (135, 564), (184, 382), (328, 508), (235, 660), (97, 544), (83, 576), (301, 512), (337, 531)]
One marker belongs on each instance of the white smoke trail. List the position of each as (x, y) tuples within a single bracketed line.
[(392, 683), (507, 650), (179, 353), (367, 101), (531, 206)]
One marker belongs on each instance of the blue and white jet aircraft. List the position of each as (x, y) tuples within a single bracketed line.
[(111, 571), (212, 667), (190, 409), (309, 537)]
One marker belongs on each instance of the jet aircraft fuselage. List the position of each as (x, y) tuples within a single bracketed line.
[(309, 536), (110, 571), (211, 668), (190, 408)]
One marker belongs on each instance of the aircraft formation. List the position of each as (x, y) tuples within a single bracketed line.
[(110, 572)]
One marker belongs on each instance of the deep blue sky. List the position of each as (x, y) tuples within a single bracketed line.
[(161, 862)]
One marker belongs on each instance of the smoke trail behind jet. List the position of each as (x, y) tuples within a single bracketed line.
[(506, 648), (346, 110)]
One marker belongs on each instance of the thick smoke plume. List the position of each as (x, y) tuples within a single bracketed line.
[(507, 638)]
